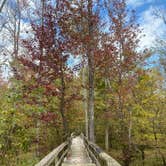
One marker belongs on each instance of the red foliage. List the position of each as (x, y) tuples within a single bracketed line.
[(48, 117)]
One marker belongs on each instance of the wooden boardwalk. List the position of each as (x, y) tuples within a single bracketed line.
[(77, 155), (78, 151)]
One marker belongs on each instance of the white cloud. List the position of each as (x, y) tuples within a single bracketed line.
[(25, 30), (152, 26)]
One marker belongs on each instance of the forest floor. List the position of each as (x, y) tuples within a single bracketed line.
[(150, 158)]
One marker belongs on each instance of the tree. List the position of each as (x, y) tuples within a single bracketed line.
[(147, 102), (161, 42), (82, 29), (47, 58), (119, 64)]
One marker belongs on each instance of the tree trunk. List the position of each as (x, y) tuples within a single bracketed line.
[(143, 157), (130, 130), (126, 155), (142, 149), (39, 71), (85, 100), (107, 137), (37, 137), (62, 102), (17, 29), (106, 110), (91, 75), (127, 146), (91, 100), (163, 160)]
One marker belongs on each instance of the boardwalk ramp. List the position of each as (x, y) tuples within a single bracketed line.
[(78, 154), (78, 151)]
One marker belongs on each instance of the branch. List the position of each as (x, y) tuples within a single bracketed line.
[(2, 5)]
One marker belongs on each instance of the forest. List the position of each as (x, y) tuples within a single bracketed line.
[(77, 66)]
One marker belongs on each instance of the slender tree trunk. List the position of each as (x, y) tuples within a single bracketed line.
[(126, 155), (62, 101), (128, 144), (91, 100), (37, 137), (143, 157), (106, 110), (39, 71), (85, 100), (120, 83), (17, 18), (84, 82), (18, 28), (130, 130), (107, 137), (142, 149), (91, 74)]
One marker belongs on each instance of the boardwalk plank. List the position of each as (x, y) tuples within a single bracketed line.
[(77, 155)]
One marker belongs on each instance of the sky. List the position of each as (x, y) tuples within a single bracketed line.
[(152, 26)]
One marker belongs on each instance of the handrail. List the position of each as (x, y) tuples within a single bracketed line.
[(99, 157), (56, 156)]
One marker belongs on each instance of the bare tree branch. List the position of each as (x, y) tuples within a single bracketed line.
[(2, 5)]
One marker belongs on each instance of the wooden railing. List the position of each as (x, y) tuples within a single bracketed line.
[(98, 156), (56, 156)]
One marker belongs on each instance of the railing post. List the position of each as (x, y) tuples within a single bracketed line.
[(98, 154), (54, 157)]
